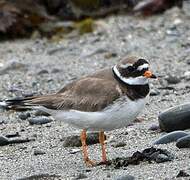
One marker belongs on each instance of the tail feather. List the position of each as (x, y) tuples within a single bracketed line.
[(16, 103)]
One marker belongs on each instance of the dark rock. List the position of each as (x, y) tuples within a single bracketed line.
[(41, 177), (173, 79), (74, 141), (154, 127), (39, 120), (188, 61), (170, 137), (126, 177), (149, 154), (41, 113), (24, 115), (183, 142), (182, 173), (38, 152), (3, 141), (13, 135), (176, 118)]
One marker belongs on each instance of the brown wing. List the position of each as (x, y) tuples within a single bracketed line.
[(87, 94)]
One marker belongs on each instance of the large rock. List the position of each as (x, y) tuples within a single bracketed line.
[(176, 118)]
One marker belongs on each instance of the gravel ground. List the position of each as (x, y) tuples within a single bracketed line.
[(40, 66)]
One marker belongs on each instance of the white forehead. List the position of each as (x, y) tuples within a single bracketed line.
[(125, 65), (143, 66)]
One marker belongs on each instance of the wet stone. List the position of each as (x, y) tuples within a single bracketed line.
[(170, 137), (183, 142), (3, 141), (175, 118)]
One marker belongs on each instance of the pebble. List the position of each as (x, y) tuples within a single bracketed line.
[(38, 152), (173, 79), (24, 116), (43, 71), (3, 141), (175, 118), (74, 140), (170, 137), (119, 144), (183, 142), (125, 177), (42, 177), (39, 120)]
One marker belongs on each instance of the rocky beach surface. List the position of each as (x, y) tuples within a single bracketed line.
[(34, 146)]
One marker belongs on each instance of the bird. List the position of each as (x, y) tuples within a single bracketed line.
[(106, 100)]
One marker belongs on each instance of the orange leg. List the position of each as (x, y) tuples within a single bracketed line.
[(101, 140), (85, 149)]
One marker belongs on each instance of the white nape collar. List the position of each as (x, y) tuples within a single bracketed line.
[(141, 80)]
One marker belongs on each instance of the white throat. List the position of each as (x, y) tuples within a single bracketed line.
[(141, 80)]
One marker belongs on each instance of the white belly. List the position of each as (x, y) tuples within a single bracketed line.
[(117, 115)]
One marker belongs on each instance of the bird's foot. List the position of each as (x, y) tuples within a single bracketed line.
[(107, 162), (90, 163)]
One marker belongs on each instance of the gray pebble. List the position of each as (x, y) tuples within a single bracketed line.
[(39, 120), (183, 142), (24, 116), (74, 140), (119, 144), (170, 137), (125, 177), (38, 152), (175, 118), (171, 79)]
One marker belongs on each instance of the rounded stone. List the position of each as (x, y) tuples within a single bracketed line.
[(183, 142), (175, 118), (170, 137)]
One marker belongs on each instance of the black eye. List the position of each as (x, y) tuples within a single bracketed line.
[(130, 68)]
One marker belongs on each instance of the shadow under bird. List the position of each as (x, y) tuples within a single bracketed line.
[(106, 100)]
